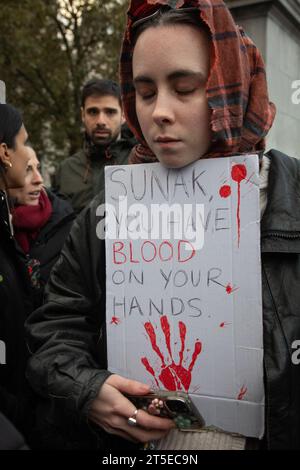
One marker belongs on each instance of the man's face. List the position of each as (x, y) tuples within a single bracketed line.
[(102, 117), (170, 69)]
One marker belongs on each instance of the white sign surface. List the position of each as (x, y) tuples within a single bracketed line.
[(184, 284)]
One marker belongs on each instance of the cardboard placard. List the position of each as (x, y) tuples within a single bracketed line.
[(184, 308)]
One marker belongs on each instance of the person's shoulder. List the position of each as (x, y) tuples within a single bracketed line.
[(88, 226), (75, 159), (127, 139), (283, 161), (94, 208), (128, 135), (60, 203)]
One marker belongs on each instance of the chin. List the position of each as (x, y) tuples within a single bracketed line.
[(32, 203), (174, 163)]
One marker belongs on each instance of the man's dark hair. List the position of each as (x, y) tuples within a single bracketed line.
[(100, 87)]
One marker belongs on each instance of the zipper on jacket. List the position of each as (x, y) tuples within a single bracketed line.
[(265, 365), (284, 235), (267, 409)]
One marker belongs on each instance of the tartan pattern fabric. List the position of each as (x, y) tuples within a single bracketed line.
[(241, 113)]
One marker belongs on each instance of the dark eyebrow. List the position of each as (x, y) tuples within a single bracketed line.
[(92, 108), (142, 79), (186, 73), (172, 76), (110, 109), (95, 108)]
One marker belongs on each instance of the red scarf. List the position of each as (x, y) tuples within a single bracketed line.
[(236, 89), (28, 221)]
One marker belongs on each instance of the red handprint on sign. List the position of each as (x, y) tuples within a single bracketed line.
[(172, 376)]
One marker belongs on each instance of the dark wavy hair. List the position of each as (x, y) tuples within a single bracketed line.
[(100, 87), (10, 124)]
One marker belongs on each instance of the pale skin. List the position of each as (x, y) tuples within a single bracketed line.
[(171, 104), (102, 118), (30, 193), (111, 410), (15, 160)]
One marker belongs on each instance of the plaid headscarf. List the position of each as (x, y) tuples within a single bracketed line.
[(241, 114)]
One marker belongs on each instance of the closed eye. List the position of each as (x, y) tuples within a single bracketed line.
[(147, 96), (185, 92)]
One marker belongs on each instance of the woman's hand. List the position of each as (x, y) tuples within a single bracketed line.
[(111, 410)]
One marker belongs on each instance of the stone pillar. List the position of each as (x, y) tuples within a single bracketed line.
[(274, 26), (2, 92)]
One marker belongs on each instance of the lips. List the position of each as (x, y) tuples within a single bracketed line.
[(101, 132), (34, 193), (166, 139)]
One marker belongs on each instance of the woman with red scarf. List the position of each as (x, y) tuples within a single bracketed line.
[(16, 397), (41, 224)]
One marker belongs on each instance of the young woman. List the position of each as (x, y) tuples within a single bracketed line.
[(15, 396), (41, 222), (194, 86)]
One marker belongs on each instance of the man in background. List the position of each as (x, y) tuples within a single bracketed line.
[(106, 142)]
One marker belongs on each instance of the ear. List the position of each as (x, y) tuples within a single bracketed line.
[(4, 155), (123, 120)]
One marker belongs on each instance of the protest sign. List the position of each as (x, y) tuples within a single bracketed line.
[(184, 285)]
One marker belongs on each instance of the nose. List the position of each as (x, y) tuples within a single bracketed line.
[(37, 178), (163, 112), (101, 119)]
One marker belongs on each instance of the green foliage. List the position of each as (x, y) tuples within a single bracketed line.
[(48, 49)]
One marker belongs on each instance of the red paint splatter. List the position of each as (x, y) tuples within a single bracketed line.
[(242, 393), (225, 191), (229, 289), (223, 324), (172, 376), (115, 321), (152, 336), (145, 362), (238, 174)]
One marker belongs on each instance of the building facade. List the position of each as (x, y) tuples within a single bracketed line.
[(274, 25), (2, 92)]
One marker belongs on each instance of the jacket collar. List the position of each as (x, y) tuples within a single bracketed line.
[(6, 228), (61, 212), (280, 225)]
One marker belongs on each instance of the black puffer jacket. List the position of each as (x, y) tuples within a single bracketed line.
[(16, 398), (10, 438), (47, 246), (69, 366), (280, 246), (49, 242)]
